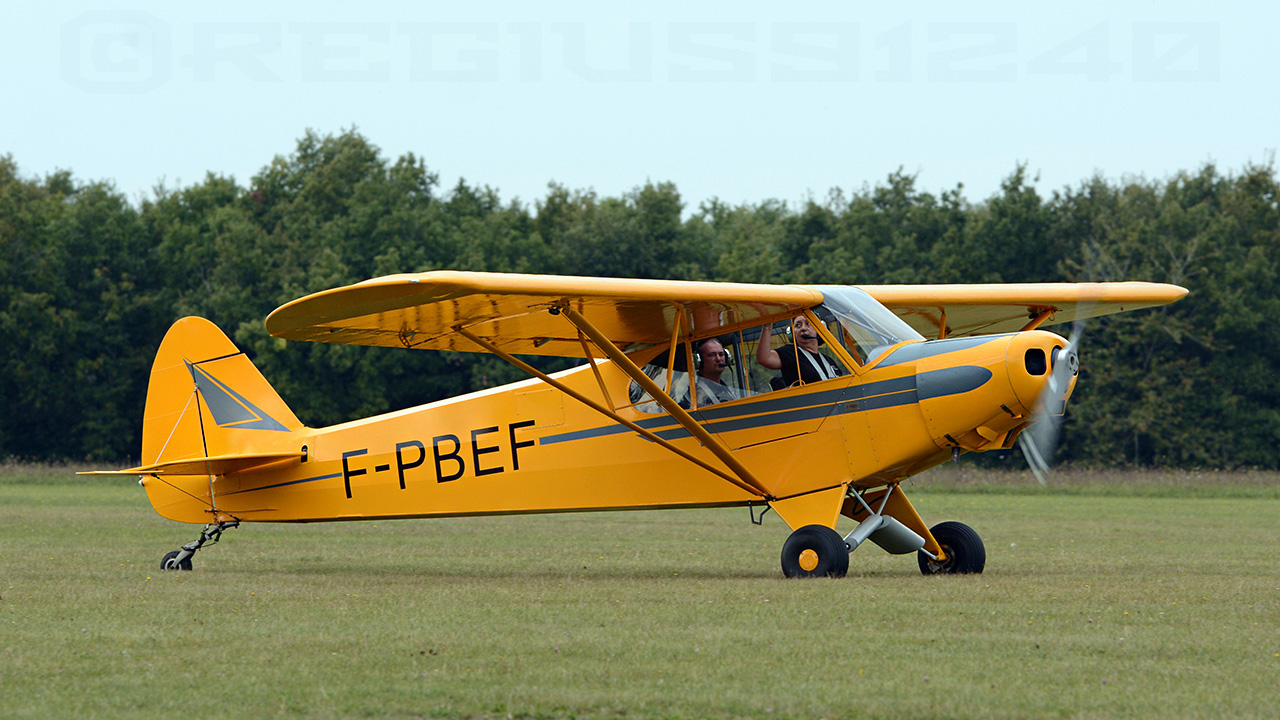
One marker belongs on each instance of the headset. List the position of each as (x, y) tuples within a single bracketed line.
[(697, 354), (790, 333)]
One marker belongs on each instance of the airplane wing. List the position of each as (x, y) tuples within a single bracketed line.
[(517, 312), (985, 309)]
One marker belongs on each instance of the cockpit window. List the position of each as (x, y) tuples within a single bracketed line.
[(870, 328), (734, 366), (717, 375)]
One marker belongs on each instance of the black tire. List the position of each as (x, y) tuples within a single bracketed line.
[(965, 551), (827, 555), (167, 562)]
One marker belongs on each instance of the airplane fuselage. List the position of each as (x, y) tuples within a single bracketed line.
[(528, 447)]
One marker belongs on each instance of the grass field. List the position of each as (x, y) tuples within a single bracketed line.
[(1159, 600)]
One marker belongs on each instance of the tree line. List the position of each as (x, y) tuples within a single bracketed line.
[(89, 283)]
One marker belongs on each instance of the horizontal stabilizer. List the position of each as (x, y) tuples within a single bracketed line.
[(219, 465)]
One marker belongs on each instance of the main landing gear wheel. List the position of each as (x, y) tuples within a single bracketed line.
[(171, 562), (964, 549), (815, 551)]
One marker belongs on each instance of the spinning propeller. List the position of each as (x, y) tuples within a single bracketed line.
[(1040, 439)]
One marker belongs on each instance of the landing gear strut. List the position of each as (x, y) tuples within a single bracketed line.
[(181, 559)]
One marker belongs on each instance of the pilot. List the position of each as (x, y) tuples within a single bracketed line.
[(711, 389), (800, 361)]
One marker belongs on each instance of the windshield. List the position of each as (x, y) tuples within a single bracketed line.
[(870, 326)]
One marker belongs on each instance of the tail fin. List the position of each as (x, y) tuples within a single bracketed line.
[(205, 402)]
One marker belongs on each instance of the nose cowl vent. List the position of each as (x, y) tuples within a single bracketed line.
[(1035, 362)]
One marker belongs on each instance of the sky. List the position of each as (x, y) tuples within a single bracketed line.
[(738, 101)]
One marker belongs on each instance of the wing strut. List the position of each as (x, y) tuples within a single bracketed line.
[(1038, 319), (608, 412), (586, 352), (686, 421)]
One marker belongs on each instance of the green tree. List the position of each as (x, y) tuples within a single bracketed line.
[(76, 308)]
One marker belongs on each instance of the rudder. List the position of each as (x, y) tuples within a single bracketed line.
[(206, 399)]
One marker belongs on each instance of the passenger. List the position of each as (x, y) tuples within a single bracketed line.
[(812, 365), (711, 389)]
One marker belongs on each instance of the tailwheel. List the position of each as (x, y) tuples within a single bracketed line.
[(181, 559), (964, 549), (171, 561), (815, 551)]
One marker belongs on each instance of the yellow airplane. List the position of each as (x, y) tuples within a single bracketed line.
[(814, 402)]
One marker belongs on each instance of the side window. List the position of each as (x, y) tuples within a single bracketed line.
[(670, 372), (761, 378), (657, 372), (718, 374), (733, 366), (785, 362), (832, 323)]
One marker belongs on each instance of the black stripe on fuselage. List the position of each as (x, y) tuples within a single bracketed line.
[(768, 411), (330, 476), (710, 415)]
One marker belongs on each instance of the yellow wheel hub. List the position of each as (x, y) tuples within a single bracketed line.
[(808, 560)]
